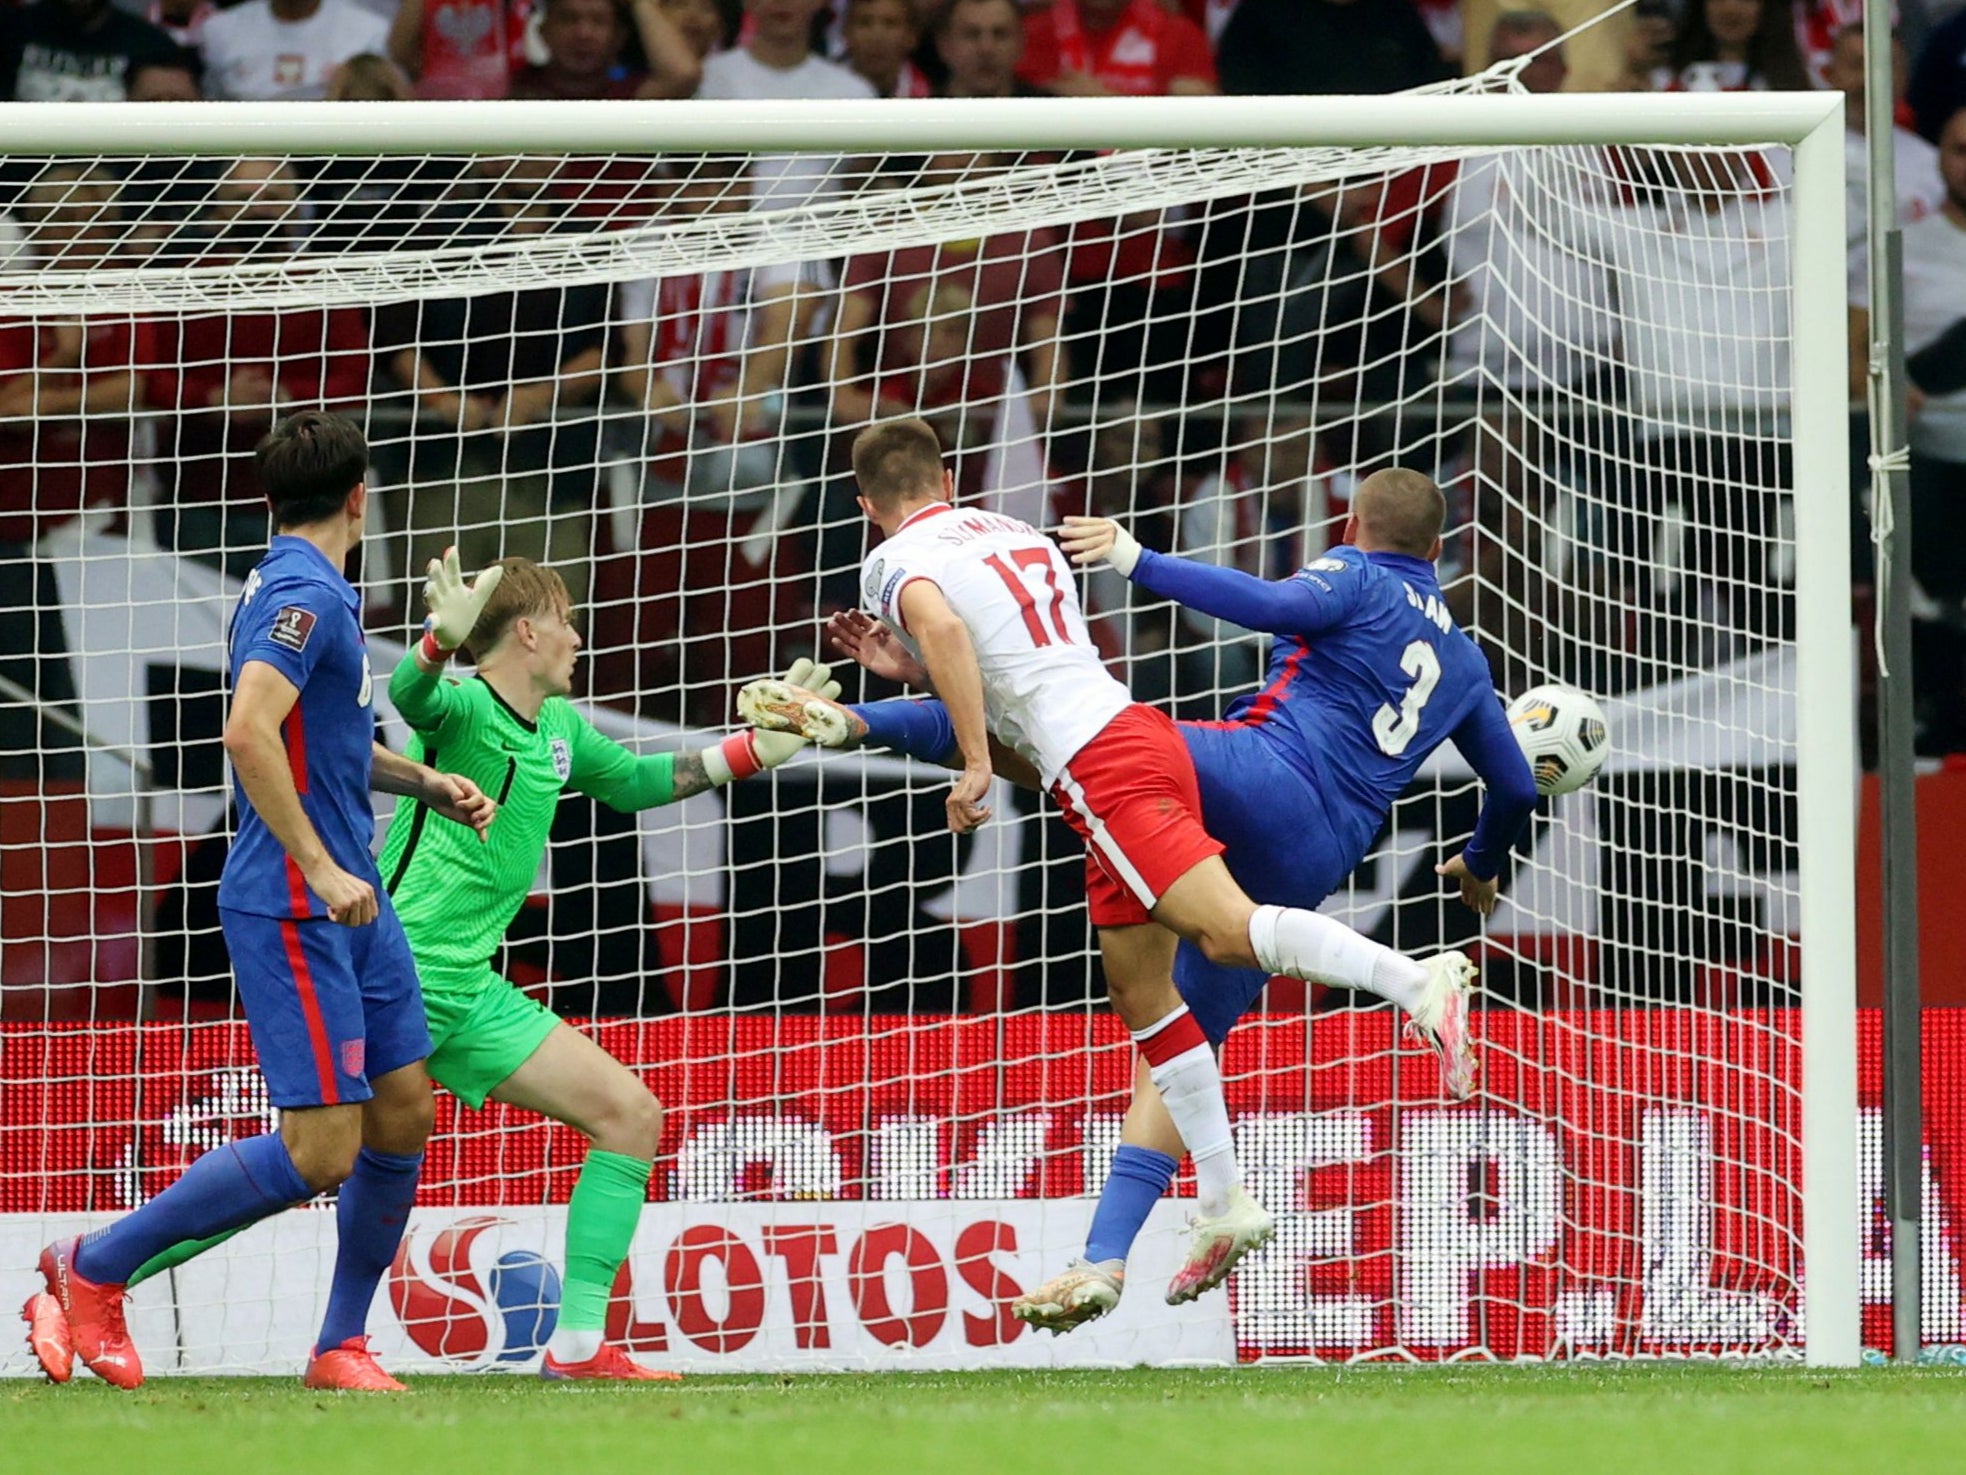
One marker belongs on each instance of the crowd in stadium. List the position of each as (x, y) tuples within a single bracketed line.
[(745, 385)]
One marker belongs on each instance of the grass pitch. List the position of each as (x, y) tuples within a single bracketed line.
[(1676, 1420)]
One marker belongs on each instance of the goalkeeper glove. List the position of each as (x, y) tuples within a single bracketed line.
[(786, 705), (753, 751), (454, 605)]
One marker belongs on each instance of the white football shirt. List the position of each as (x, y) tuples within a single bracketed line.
[(251, 55), (1046, 693)]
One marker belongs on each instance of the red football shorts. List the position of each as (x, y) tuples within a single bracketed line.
[(1132, 796)]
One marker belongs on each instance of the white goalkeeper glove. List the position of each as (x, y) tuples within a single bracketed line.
[(804, 702), (454, 605), (763, 746)]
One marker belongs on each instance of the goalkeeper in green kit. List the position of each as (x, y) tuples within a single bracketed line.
[(512, 729)]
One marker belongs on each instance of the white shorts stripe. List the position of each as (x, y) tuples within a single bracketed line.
[(1103, 842)]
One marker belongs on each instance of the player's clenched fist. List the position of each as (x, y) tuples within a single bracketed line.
[(1088, 540), (349, 899), (453, 604), (967, 811)]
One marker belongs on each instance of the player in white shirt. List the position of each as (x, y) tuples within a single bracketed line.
[(987, 608), (286, 50)]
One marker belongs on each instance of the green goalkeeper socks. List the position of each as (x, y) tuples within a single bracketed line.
[(601, 1218)]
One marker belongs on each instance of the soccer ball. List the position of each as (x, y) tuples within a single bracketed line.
[(1563, 736)]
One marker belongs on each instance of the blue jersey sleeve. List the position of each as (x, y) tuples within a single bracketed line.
[(1486, 741), (1312, 600), (915, 726), (287, 625)]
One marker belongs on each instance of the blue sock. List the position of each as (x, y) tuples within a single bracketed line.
[(369, 1215), (1139, 1177), (229, 1187), (916, 726)]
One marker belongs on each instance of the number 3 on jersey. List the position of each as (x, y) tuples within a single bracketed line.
[(1018, 582), (1395, 729)]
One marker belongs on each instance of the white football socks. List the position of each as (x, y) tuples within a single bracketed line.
[(1190, 1085), (1303, 944)]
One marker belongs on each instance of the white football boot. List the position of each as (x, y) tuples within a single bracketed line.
[(1082, 1292), (1440, 1019), (1216, 1244)]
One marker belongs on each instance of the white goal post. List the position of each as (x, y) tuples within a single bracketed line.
[(1153, 140)]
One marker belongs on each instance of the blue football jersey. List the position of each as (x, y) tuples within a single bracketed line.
[(300, 616), (1368, 674)]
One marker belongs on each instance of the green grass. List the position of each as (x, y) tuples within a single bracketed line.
[(1677, 1420)]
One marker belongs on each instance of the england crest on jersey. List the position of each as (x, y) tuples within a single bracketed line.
[(562, 759)]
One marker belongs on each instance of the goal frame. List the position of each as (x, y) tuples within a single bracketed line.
[(1811, 123)]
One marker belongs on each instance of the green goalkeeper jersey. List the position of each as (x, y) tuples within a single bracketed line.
[(455, 894)]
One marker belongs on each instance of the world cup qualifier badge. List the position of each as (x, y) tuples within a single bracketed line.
[(465, 1301), (291, 627), (562, 760)]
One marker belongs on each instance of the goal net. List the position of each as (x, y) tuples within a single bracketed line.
[(1611, 333)]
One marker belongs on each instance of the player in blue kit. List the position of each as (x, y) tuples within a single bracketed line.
[(323, 968), (1367, 675)]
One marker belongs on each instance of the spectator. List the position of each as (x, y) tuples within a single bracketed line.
[(223, 380), (1327, 46), (881, 37), (165, 84), (66, 394), (702, 24), (182, 20), (1701, 273), (1935, 341), (1132, 278), (777, 61), (1530, 296), (1736, 46), (78, 51), (460, 48), (981, 43), (1819, 22), (1108, 48), (1013, 282), (1938, 81), (365, 203), (1648, 52), (503, 457), (1918, 187), (1598, 57), (369, 78), (584, 41), (286, 50), (705, 355)]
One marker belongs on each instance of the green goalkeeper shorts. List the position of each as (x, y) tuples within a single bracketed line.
[(482, 1029)]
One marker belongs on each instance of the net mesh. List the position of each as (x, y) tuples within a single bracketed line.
[(892, 1086)]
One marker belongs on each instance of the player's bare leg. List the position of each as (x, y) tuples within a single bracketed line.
[(573, 1080), (378, 1186), (1207, 907), (1087, 1289)]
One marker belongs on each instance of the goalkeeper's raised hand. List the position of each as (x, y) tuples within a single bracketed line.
[(454, 606)]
